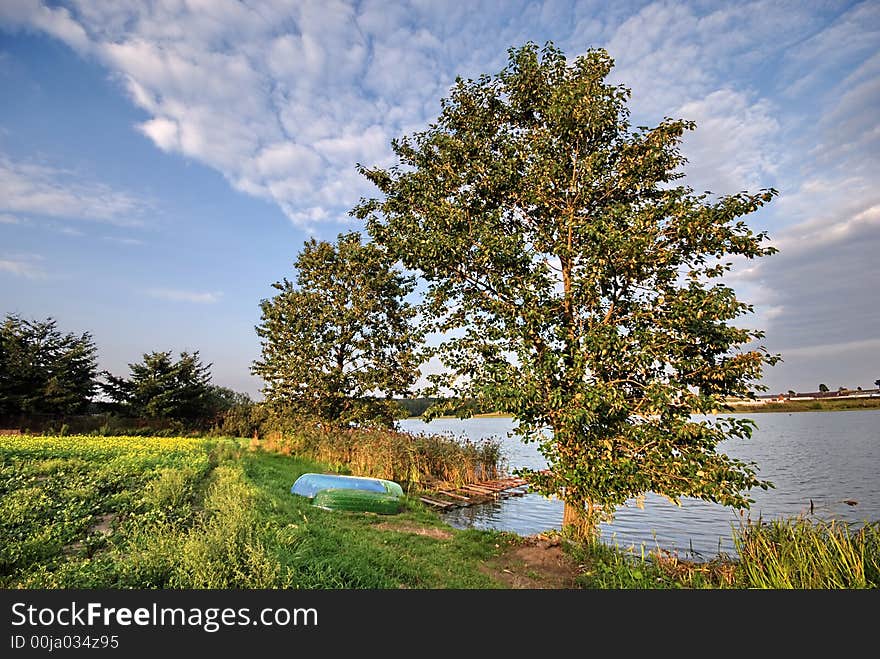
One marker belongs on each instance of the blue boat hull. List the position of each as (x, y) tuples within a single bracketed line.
[(308, 485)]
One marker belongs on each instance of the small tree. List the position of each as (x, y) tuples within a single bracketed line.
[(339, 343), (43, 371), (577, 288), (160, 387), (823, 387), (222, 399)]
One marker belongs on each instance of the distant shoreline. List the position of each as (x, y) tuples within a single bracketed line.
[(827, 405), (823, 405)]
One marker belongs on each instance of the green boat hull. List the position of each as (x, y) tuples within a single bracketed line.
[(357, 500)]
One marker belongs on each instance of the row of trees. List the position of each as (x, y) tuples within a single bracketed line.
[(47, 373), (567, 277)]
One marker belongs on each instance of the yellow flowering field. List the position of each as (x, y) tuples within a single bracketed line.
[(64, 499)]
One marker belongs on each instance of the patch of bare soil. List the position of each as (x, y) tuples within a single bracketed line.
[(101, 524), (538, 562), (439, 534)]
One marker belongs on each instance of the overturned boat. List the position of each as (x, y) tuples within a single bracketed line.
[(341, 492)]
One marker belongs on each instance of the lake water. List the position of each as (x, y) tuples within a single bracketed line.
[(826, 457)]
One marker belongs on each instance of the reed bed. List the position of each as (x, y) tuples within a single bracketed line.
[(800, 553), (415, 460)]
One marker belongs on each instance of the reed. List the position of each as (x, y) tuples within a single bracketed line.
[(800, 553), (412, 459)]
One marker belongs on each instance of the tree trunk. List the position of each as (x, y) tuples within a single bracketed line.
[(581, 519)]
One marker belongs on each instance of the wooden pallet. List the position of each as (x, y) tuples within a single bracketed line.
[(474, 493)]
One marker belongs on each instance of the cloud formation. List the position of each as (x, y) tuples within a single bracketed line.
[(27, 266), (38, 189), (177, 295)]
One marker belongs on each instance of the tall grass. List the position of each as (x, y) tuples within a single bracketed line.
[(413, 459), (799, 553), (610, 566)]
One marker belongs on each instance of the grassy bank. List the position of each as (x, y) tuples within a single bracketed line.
[(126, 512)]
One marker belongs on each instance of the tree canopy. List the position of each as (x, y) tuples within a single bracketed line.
[(161, 387), (575, 283), (42, 370), (339, 343)]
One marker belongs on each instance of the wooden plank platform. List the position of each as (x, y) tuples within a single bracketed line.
[(474, 493)]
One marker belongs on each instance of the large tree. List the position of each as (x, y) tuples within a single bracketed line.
[(42, 370), (161, 387), (339, 342), (581, 285)]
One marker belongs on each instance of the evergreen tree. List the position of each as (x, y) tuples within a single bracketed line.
[(42, 370), (160, 387)]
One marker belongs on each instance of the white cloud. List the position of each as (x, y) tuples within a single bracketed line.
[(56, 21), (164, 132), (732, 148), (820, 234), (176, 295), (829, 52), (10, 219), (124, 241), (39, 189), (69, 231), (285, 98), (23, 265), (860, 346)]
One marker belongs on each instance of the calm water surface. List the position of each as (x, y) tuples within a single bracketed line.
[(826, 457)]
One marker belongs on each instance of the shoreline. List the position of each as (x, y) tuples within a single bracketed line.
[(761, 408)]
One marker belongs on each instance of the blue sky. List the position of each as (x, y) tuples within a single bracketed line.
[(161, 163)]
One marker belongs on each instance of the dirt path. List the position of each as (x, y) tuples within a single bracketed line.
[(538, 562)]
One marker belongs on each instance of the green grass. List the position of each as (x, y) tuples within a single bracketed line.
[(183, 513)]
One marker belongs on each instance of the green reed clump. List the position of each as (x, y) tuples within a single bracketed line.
[(800, 553), (414, 459)]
